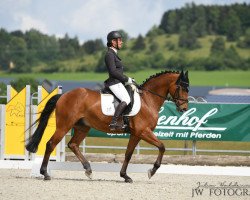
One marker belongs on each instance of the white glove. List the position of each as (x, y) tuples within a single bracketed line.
[(133, 87), (130, 81)]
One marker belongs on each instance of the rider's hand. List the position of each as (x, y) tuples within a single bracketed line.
[(130, 81), (133, 87)]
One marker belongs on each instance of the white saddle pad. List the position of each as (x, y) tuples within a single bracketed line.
[(108, 107)]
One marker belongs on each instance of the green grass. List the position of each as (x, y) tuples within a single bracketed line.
[(75, 76), (197, 78), (220, 78)]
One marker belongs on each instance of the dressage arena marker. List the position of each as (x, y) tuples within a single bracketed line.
[(17, 116), (35, 165)]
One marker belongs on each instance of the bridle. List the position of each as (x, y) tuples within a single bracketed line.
[(176, 98)]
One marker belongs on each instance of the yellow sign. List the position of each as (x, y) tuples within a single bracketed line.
[(51, 127), (44, 93), (15, 124), (13, 92)]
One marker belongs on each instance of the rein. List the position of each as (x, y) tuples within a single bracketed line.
[(150, 91), (175, 98), (154, 93)]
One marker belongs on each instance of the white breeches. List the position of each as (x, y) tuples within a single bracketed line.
[(120, 92)]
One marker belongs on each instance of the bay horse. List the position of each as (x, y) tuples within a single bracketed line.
[(80, 109)]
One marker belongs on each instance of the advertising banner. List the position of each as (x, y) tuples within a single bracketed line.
[(202, 121)]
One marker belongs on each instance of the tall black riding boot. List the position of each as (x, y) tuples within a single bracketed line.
[(114, 125)]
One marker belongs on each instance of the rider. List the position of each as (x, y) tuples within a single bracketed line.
[(117, 79)]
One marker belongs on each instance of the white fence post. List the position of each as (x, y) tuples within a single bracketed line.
[(60, 149), (2, 130), (27, 118), (194, 147), (39, 94), (33, 118), (84, 146), (8, 93)]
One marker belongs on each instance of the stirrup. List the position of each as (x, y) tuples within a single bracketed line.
[(116, 126)]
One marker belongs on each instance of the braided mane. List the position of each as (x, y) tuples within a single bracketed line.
[(158, 74)]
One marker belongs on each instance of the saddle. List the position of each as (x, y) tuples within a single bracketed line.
[(109, 102)]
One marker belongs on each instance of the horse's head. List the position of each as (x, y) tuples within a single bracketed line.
[(179, 92)]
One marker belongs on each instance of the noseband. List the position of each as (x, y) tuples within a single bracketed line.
[(177, 97)]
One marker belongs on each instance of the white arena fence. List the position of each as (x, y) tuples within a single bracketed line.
[(20, 112)]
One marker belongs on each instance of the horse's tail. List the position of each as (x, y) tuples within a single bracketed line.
[(35, 139)]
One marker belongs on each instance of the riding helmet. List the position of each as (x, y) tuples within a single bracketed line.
[(113, 35)]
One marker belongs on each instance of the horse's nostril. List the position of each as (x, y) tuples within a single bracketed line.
[(183, 110)]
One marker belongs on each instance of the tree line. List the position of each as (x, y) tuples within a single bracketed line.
[(35, 51), (21, 51), (199, 20)]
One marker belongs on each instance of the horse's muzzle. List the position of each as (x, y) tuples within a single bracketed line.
[(182, 109)]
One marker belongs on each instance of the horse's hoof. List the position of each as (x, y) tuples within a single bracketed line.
[(47, 178), (150, 173), (89, 174), (128, 180)]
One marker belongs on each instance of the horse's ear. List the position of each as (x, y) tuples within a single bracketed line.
[(186, 78), (182, 74)]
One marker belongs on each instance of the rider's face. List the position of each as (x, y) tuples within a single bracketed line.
[(117, 43)]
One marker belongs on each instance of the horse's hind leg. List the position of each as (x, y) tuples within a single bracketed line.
[(50, 146), (79, 134)]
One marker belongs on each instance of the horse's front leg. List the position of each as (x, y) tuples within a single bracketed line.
[(133, 141), (149, 137)]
